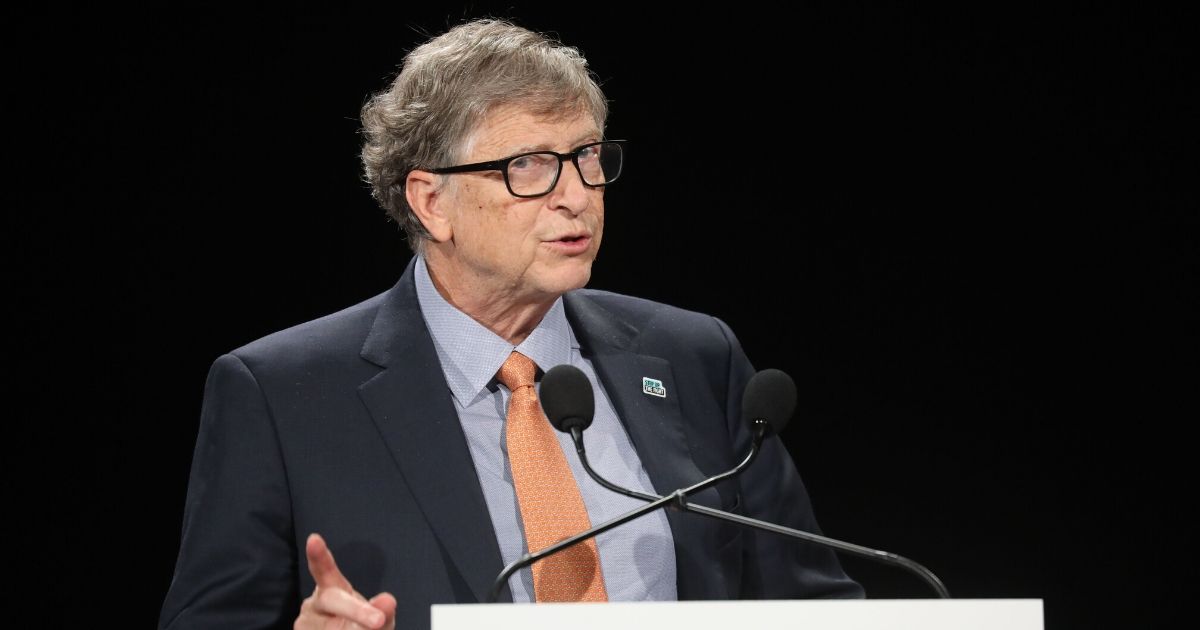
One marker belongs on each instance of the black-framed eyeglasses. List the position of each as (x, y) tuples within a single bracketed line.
[(536, 173)]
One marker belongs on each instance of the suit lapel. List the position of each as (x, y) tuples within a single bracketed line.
[(655, 424), (656, 427), (413, 409)]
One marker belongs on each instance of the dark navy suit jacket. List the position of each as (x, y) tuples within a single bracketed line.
[(345, 426)]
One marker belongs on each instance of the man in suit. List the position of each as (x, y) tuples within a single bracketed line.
[(384, 434)]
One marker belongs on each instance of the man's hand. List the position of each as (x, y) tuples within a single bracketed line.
[(334, 603)]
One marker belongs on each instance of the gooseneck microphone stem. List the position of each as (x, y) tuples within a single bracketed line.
[(759, 428), (759, 431), (677, 499), (858, 550)]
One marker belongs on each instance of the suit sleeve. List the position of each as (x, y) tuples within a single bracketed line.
[(774, 566), (237, 564)]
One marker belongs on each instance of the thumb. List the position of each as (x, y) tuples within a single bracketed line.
[(387, 605)]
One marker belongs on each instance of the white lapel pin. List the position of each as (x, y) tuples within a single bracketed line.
[(653, 387)]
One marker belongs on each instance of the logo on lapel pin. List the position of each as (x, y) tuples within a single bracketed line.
[(653, 387)]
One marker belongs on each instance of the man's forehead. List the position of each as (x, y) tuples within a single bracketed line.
[(515, 129)]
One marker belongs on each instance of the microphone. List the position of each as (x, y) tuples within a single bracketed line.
[(767, 406), (770, 397), (570, 404)]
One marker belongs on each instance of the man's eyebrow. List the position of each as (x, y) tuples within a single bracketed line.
[(591, 136)]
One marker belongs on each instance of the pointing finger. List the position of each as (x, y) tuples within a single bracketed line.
[(320, 563)]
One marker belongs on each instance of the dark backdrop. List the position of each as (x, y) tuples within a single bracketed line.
[(969, 234)]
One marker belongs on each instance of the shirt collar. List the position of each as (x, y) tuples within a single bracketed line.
[(471, 354)]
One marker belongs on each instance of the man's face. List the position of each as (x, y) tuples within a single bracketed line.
[(522, 249)]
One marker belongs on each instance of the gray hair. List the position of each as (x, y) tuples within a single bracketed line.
[(448, 85)]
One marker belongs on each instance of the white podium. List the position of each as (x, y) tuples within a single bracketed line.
[(824, 614)]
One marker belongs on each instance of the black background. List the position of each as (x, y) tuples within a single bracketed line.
[(970, 234)]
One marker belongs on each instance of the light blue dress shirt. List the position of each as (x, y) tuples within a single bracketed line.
[(637, 558)]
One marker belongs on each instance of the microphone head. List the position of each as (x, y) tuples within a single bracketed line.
[(771, 397), (567, 398)]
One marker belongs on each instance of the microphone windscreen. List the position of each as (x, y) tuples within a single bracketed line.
[(770, 396), (567, 397)]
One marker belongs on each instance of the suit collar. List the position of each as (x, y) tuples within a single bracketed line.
[(595, 326)]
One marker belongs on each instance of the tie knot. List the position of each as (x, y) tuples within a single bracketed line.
[(518, 371)]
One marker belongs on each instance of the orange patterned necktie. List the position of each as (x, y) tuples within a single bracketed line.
[(550, 503)]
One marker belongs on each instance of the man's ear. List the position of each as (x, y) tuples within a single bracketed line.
[(428, 203)]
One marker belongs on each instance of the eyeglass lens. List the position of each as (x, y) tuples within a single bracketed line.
[(536, 173)]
